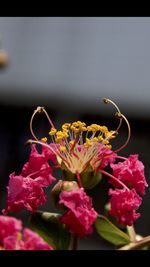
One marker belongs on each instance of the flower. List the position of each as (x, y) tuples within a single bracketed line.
[(23, 192), (82, 146), (26, 190), (105, 156), (124, 204), (80, 149), (32, 241), (131, 173), (49, 152), (81, 214), (38, 168), (82, 152), (76, 146), (14, 237), (9, 226)]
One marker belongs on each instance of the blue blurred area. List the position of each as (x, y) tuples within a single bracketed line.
[(68, 65)]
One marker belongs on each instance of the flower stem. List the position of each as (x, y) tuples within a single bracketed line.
[(75, 242), (114, 178), (132, 233), (137, 245)]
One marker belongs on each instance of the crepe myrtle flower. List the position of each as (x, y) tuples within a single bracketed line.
[(78, 146), (80, 215), (80, 149), (82, 152), (124, 203), (131, 173), (14, 237), (27, 189)]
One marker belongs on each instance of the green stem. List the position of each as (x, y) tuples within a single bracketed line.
[(132, 233)]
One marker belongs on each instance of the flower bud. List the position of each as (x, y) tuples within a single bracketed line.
[(89, 178), (60, 187)]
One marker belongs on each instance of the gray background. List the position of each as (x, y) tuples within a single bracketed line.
[(79, 60)]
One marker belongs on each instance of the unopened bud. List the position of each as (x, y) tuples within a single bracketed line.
[(90, 178), (60, 187)]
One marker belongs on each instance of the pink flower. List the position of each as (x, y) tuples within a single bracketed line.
[(9, 226), (11, 237), (13, 242), (124, 203), (48, 153), (106, 156), (81, 214), (38, 168), (131, 173), (26, 190), (32, 241), (23, 192)]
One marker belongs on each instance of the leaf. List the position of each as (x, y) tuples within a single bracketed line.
[(47, 225), (110, 232)]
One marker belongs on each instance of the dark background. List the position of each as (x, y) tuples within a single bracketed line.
[(67, 65)]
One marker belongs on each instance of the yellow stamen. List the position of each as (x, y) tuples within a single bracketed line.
[(62, 148), (71, 142), (105, 142), (104, 129), (44, 139), (100, 138), (95, 139), (93, 128), (66, 126), (53, 131)]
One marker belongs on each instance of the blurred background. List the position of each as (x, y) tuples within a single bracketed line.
[(67, 65)]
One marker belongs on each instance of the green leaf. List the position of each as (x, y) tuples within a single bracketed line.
[(47, 225), (110, 232)]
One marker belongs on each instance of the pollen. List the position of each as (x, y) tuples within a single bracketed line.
[(100, 138), (104, 129), (61, 135), (71, 142), (95, 139), (78, 127), (88, 143), (53, 131), (62, 148), (105, 142), (44, 139), (66, 126), (109, 147), (93, 128)]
